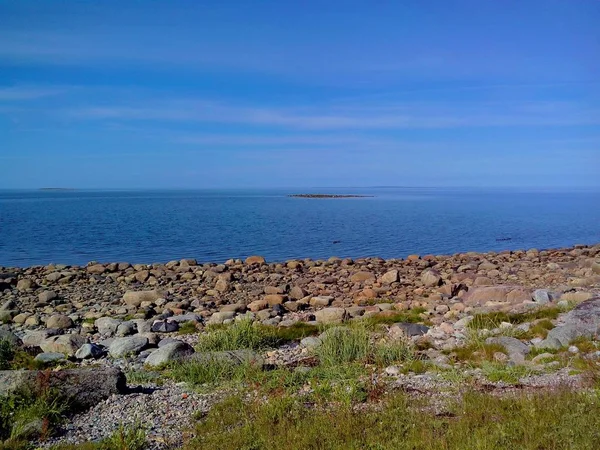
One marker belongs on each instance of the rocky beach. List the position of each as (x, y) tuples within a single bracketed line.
[(107, 334)]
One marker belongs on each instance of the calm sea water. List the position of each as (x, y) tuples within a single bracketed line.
[(74, 227)]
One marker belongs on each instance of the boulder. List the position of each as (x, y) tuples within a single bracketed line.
[(25, 284), (67, 344), (173, 351), (59, 322), (255, 260), (220, 317), (49, 358), (331, 315), (164, 326), (89, 351), (510, 295), (408, 329), (562, 336), (96, 269), (107, 326), (83, 387), (431, 278), (46, 296), (360, 277), (135, 298), (390, 277), (125, 346)]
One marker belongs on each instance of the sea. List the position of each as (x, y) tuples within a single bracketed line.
[(74, 227)]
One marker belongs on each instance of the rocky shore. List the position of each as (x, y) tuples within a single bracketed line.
[(132, 317)]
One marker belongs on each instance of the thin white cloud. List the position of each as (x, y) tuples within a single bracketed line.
[(28, 93), (390, 117)]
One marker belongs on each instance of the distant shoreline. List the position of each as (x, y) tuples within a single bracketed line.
[(329, 196), (55, 189)]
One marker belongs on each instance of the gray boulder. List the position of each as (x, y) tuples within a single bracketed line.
[(89, 351), (35, 338), (48, 358), (173, 351), (164, 326), (125, 346), (46, 296), (560, 337), (409, 329), (543, 296), (67, 344), (126, 329), (83, 387), (107, 326), (59, 322), (331, 315), (135, 298), (515, 348)]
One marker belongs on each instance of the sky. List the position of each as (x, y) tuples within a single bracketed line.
[(258, 94)]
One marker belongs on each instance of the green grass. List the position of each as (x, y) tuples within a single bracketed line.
[(494, 319), (500, 372), (539, 329), (245, 334), (27, 415), (137, 377), (13, 358), (409, 316), (557, 420), (188, 328), (476, 352), (342, 345)]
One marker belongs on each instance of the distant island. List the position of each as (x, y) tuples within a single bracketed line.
[(56, 189), (328, 196)]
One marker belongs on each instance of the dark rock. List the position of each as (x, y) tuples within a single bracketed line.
[(83, 387)]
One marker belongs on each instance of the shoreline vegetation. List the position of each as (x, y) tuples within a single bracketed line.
[(329, 196), (495, 350)]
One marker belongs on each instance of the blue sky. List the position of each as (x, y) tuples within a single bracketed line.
[(195, 94)]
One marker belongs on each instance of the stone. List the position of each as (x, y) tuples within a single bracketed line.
[(125, 346), (408, 329), (511, 295), (47, 296), (107, 326), (67, 344), (562, 336), (297, 293), (585, 315), (49, 358), (431, 278), (96, 269), (543, 296), (360, 277), (510, 344), (250, 260), (35, 338), (164, 326), (258, 305), (310, 342), (135, 298), (59, 322), (126, 329), (219, 317), (320, 301), (173, 351), (83, 387), (89, 351), (25, 284), (274, 299), (331, 315), (391, 276)]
